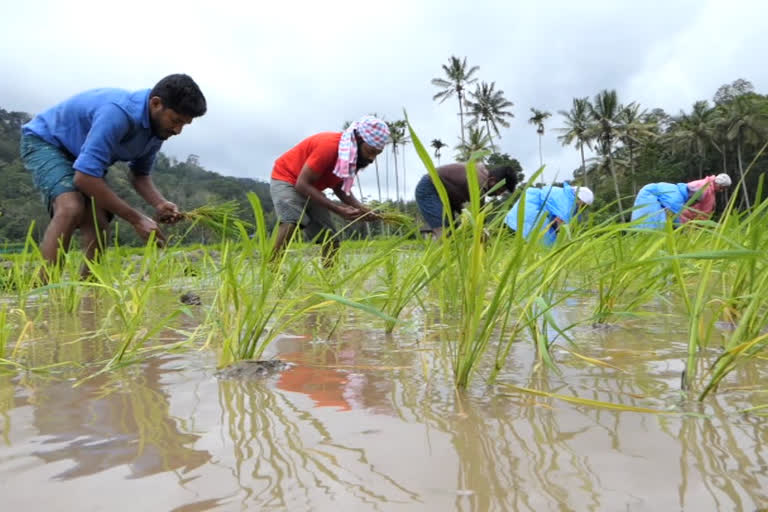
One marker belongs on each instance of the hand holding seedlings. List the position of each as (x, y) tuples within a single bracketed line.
[(168, 213)]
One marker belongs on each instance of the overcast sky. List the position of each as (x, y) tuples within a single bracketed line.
[(276, 72)]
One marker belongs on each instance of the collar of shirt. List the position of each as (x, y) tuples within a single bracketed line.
[(145, 116)]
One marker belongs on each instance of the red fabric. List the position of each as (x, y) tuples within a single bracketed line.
[(319, 152), (704, 207)]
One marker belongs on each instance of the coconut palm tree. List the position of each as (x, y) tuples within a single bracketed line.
[(489, 106), (477, 141), (633, 130), (747, 124), (576, 130), (438, 145), (537, 119), (376, 165), (458, 77), (694, 132), (397, 138), (604, 114)]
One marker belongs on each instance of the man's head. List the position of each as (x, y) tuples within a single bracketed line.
[(507, 173), (372, 135), (173, 103), (722, 181), (366, 153)]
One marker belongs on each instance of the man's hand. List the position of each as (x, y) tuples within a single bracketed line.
[(144, 226), (168, 213), (369, 215), (348, 212)]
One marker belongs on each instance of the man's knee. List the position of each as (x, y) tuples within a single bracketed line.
[(69, 208)]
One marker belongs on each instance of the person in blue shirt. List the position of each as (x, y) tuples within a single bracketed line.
[(69, 147), (549, 208)]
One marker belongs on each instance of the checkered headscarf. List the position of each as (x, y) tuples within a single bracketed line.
[(374, 132)]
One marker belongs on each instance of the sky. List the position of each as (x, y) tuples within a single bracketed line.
[(275, 73)]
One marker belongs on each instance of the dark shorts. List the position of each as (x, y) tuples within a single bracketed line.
[(51, 168), (293, 208), (429, 203)]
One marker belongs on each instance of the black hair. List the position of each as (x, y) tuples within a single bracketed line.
[(180, 93), (506, 173)]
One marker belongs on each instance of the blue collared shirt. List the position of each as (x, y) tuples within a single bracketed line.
[(101, 127)]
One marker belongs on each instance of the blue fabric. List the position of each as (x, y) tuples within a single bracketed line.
[(50, 166), (101, 127), (429, 203), (542, 205), (654, 199)]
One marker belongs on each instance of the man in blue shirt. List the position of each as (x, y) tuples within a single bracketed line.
[(69, 147)]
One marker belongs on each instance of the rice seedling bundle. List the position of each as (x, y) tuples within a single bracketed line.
[(222, 218)]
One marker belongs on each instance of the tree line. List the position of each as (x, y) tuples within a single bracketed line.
[(632, 145)]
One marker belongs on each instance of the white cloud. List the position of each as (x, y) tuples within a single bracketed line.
[(274, 73)]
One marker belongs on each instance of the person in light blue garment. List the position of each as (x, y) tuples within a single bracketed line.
[(549, 208), (656, 201)]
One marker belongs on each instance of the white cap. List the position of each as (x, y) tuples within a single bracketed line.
[(585, 195), (723, 180)]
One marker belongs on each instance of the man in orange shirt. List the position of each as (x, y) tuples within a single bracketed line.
[(321, 161)]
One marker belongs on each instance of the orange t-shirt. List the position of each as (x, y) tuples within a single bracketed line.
[(319, 152)]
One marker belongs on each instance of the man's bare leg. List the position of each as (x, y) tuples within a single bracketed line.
[(68, 211), (284, 234), (93, 239)]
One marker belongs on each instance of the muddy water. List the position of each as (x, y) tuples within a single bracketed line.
[(362, 421)]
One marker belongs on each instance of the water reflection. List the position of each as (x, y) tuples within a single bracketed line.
[(366, 421), (121, 420), (284, 457), (336, 375), (724, 459)]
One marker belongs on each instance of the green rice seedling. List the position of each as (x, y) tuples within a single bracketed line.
[(221, 218), (748, 338), (131, 288), (623, 285), (588, 402), (395, 217), (404, 280), (481, 274), (28, 265), (252, 304), (5, 330)]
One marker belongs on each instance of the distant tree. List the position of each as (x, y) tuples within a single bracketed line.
[(457, 78), (729, 92), (477, 141), (747, 123), (398, 137), (694, 133), (537, 119), (438, 145), (633, 131), (576, 130), (604, 113), (489, 106)]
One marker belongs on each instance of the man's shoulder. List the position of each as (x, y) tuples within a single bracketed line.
[(324, 138)]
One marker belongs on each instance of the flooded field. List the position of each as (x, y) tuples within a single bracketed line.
[(362, 420)]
